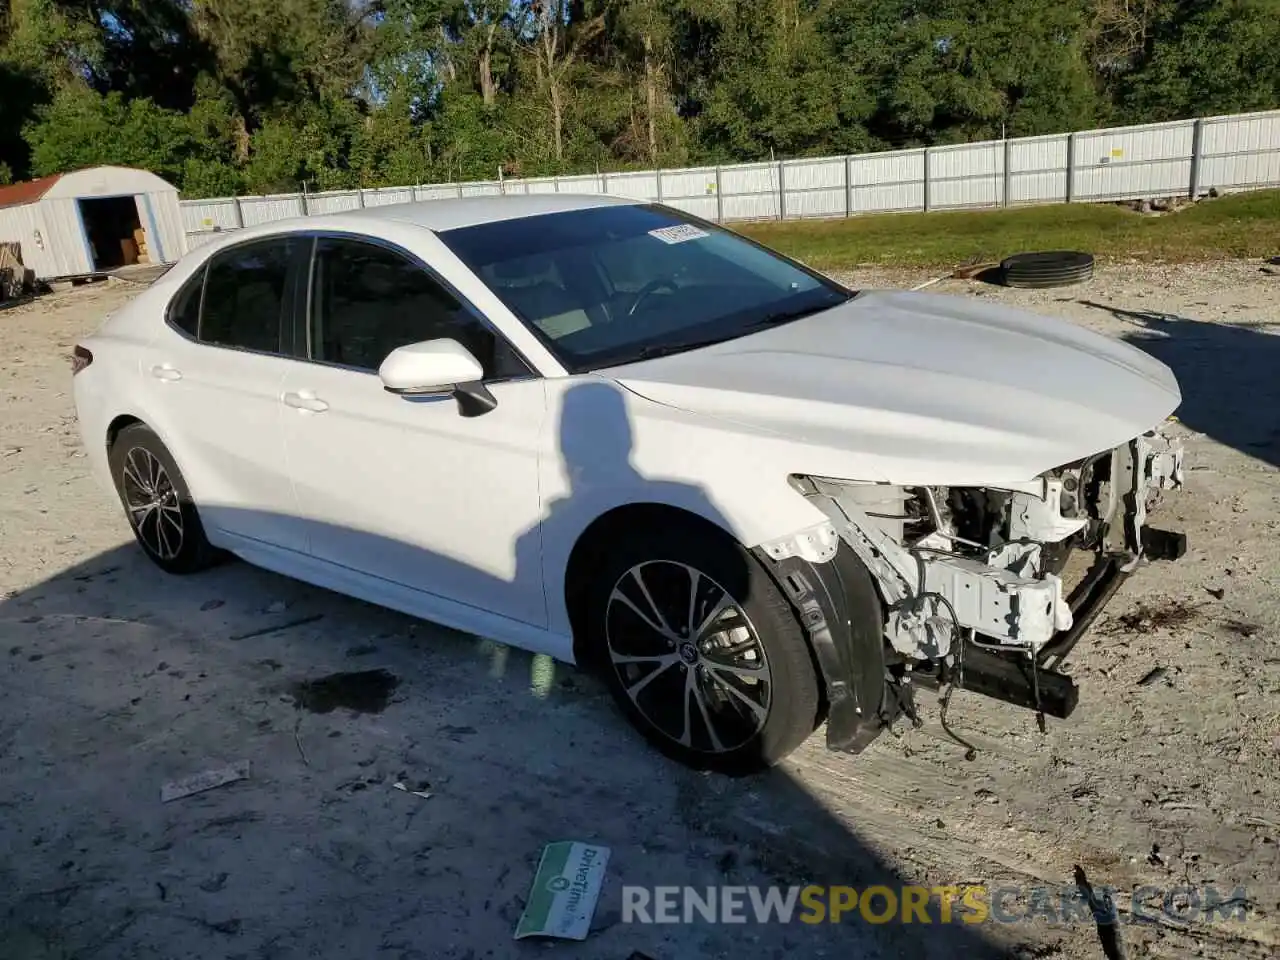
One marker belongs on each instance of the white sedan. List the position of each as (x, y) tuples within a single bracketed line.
[(613, 433)]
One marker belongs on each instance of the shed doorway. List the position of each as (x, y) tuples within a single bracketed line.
[(113, 230)]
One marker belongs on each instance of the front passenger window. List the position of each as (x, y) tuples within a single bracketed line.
[(369, 300)]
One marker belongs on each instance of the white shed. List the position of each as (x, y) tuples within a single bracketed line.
[(92, 221)]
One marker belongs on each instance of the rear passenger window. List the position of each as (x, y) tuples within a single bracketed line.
[(244, 295), (184, 311)]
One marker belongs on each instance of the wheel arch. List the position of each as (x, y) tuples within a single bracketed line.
[(118, 424), (594, 541), (836, 604), (167, 493), (122, 421)]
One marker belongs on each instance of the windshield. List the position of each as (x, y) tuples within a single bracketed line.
[(613, 284)]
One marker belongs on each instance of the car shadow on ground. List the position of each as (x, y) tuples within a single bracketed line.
[(118, 678), (1241, 411)]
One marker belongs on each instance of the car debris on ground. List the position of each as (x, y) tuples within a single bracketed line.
[(419, 791), (205, 780), (566, 886)]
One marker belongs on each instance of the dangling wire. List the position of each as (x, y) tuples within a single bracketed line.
[(959, 639), (970, 751), (1035, 686)]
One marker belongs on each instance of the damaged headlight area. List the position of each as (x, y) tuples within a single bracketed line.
[(984, 564)]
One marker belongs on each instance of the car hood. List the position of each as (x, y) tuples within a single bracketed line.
[(922, 388)]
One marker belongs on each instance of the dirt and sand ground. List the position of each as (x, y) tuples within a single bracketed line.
[(115, 679)]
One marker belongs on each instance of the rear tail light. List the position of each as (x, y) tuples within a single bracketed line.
[(80, 358)]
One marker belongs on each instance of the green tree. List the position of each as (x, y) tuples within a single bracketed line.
[(644, 34), (83, 128), (957, 70), (310, 150), (389, 148), (41, 46), (146, 48), (472, 141), (232, 95), (21, 94), (1205, 57), (775, 83)]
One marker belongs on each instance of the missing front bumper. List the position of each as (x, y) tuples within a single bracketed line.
[(1036, 682), (989, 621)]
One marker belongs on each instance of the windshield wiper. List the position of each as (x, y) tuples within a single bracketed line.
[(666, 349), (784, 316), (768, 320)]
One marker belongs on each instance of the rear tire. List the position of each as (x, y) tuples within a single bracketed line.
[(701, 650), (157, 503)]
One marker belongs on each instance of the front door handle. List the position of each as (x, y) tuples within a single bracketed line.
[(305, 400), (162, 371)]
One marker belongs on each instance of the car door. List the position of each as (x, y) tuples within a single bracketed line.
[(215, 376), (407, 489)]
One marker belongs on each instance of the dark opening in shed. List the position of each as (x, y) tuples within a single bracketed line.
[(113, 227)]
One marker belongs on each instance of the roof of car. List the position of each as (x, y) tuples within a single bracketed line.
[(452, 213), (434, 215)]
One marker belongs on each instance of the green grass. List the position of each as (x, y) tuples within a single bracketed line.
[(1243, 225)]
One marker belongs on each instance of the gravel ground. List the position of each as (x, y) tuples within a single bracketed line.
[(116, 678)]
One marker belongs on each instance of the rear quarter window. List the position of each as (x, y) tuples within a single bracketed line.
[(184, 309)]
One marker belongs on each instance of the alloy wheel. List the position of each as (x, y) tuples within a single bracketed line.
[(687, 656), (152, 502)]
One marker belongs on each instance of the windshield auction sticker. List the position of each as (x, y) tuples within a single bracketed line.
[(680, 233)]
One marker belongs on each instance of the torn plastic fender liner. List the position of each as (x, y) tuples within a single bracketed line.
[(837, 603)]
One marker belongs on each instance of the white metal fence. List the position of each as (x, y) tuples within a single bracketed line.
[(1182, 158)]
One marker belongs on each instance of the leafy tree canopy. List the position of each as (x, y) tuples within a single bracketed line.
[(236, 96)]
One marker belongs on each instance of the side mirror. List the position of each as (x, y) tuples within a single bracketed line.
[(437, 368)]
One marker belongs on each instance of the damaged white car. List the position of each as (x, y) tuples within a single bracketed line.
[(613, 433)]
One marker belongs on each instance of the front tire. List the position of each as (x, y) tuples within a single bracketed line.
[(701, 650), (158, 504)]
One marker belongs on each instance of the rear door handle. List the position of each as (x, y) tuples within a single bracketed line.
[(162, 371), (305, 400)]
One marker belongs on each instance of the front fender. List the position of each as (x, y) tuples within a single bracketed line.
[(608, 448)]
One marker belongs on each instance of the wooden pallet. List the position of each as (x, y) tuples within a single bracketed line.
[(15, 279)]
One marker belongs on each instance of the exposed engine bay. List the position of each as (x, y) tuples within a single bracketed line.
[(970, 582), (985, 563)]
